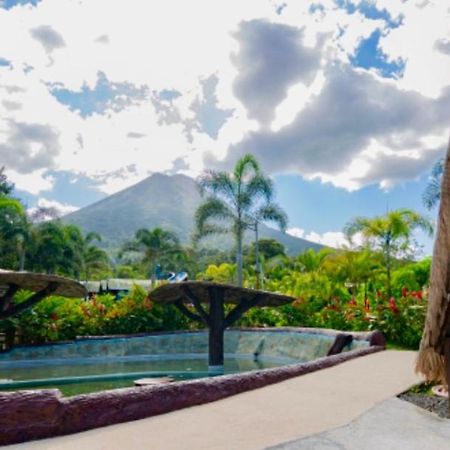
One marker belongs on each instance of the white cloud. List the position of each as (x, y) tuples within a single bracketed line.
[(335, 239), (424, 23), (296, 232), (33, 182), (271, 58), (49, 38), (61, 208), (325, 118), (339, 134)]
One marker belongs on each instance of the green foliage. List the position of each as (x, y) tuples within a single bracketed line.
[(267, 249), (132, 271), (237, 202), (14, 232), (27, 242), (156, 247), (54, 247), (325, 298), (59, 319), (322, 299), (6, 187), (376, 287), (432, 192), (268, 317), (223, 273), (391, 234)]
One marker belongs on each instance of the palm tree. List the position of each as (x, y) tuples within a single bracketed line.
[(432, 193), (353, 268), (311, 261), (83, 253), (390, 233), (158, 245), (241, 199), (6, 187), (14, 227), (94, 258), (434, 358), (51, 249)]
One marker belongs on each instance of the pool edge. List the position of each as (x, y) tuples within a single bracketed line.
[(30, 415)]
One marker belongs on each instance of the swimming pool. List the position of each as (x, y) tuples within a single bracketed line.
[(255, 358), (95, 364)]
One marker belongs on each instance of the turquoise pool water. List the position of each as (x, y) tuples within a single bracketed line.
[(89, 375), (89, 365)]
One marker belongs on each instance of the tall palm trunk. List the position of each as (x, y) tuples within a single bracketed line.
[(257, 264), (388, 266), (153, 269), (434, 343), (239, 262), (22, 260)]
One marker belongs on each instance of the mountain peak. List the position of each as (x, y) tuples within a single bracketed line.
[(160, 200)]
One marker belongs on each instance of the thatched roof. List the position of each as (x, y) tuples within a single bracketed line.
[(169, 293), (36, 282)]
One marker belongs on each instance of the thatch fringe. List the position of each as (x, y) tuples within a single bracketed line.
[(432, 365)]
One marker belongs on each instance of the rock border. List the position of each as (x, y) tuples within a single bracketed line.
[(30, 415)]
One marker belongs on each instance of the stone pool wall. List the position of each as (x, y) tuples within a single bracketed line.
[(28, 415), (297, 344)]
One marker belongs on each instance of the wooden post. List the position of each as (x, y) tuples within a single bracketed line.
[(216, 329)]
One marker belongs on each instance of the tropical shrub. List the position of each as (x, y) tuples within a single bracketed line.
[(59, 319), (222, 273)]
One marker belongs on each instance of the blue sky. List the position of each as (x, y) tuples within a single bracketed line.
[(344, 102)]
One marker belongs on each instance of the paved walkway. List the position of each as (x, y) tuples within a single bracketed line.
[(282, 412), (392, 425)]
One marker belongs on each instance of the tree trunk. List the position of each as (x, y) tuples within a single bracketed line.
[(153, 268), (257, 267), (388, 267), (432, 352), (22, 260), (239, 255)]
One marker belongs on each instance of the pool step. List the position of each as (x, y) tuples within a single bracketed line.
[(153, 381)]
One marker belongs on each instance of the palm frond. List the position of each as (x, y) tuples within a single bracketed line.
[(11, 204), (208, 230), (412, 219), (354, 226), (218, 183), (260, 186), (247, 162), (212, 209), (432, 193), (92, 236), (273, 213)]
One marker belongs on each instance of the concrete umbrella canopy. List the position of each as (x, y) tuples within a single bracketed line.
[(42, 285), (434, 355), (198, 293)]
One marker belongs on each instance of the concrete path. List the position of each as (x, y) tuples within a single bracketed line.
[(282, 412), (392, 425)]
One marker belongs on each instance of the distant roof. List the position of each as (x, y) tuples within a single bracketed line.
[(37, 281), (122, 284), (169, 293), (91, 286)]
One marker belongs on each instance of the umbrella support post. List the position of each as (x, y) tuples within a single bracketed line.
[(216, 330), (215, 318)]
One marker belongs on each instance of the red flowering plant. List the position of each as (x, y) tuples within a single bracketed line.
[(59, 319)]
